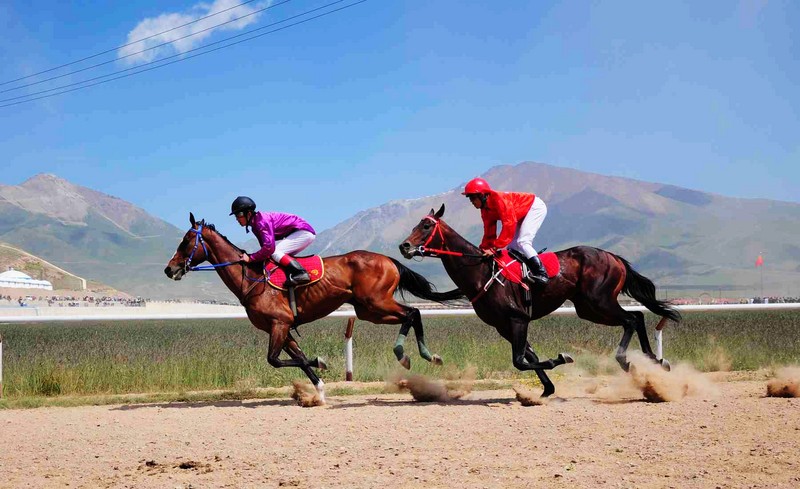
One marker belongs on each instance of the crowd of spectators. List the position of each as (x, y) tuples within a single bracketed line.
[(41, 300), (774, 300), (688, 301), (71, 301)]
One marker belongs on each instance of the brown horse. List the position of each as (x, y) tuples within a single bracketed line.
[(361, 278), (590, 277)]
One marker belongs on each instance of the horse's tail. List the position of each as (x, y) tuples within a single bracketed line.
[(642, 289), (411, 281)]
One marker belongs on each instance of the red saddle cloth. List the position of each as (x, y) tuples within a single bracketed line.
[(276, 276), (512, 269)]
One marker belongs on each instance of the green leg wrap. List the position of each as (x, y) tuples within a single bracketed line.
[(398, 347), (423, 350)]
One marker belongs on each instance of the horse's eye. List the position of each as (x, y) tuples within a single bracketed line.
[(426, 225)]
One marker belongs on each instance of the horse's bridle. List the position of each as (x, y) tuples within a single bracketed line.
[(198, 241), (424, 250)]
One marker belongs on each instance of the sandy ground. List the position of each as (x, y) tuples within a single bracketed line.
[(732, 436)]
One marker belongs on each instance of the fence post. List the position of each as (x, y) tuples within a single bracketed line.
[(659, 340), (348, 350), (1, 365)]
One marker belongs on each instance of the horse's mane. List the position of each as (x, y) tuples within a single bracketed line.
[(213, 228), (457, 235)]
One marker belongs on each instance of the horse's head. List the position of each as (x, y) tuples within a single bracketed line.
[(191, 251), (423, 235)]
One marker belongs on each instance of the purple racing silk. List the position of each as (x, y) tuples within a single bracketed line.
[(272, 226)]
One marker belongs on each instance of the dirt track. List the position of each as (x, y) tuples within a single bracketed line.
[(737, 438)]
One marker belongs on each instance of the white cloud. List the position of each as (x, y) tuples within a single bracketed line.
[(166, 21)]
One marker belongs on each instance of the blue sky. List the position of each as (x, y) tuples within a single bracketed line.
[(394, 99)]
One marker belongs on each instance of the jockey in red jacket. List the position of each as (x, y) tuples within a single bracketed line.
[(280, 236), (521, 215)]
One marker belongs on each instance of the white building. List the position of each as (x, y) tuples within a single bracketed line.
[(18, 280)]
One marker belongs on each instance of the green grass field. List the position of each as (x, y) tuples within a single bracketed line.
[(101, 358)]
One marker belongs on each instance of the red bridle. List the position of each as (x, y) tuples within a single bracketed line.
[(423, 249), (438, 251)]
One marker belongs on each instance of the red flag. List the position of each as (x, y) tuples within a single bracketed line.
[(760, 261)]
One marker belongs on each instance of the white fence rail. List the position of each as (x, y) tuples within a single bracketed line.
[(37, 315)]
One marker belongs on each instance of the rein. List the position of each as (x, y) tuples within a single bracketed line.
[(198, 241), (424, 250)]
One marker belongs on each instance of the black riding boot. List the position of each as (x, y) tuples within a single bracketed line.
[(537, 275), (296, 274)]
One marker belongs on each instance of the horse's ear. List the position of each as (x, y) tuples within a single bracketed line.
[(191, 219), (439, 213), (431, 212)]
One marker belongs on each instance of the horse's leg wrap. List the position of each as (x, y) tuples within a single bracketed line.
[(399, 351), (414, 318)]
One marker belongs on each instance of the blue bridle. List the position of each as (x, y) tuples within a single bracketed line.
[(198, 241)]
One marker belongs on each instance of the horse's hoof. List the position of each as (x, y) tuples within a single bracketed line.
[(437, 360), (566, 358), (405, 362), (665, 364), (549, 390), (321, 364)]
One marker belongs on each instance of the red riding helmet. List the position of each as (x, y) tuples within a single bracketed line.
[(476, 186)]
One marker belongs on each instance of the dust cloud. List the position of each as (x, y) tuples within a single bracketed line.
[(786, 383), (454, 386), (305, 394), (657, 385)]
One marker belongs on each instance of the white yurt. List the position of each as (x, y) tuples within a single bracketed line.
[(18, 280)]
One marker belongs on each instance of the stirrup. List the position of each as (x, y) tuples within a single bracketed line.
[(294, 281), (535, 280)]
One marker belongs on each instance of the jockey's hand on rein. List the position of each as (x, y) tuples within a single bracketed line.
[(245, 258)]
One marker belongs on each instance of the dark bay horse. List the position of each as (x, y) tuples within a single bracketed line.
[(590, 277), (361, 278)]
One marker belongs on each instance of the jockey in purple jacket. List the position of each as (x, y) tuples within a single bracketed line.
[(280, 236)]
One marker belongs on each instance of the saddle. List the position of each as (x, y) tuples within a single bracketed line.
[(276, 276), (511, 264)]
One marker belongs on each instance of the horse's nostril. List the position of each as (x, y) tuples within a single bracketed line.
[(168, 272)]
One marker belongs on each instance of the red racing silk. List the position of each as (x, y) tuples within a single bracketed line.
[(510, 208)]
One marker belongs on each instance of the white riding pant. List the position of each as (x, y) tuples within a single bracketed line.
[(294, 243), (527, 229)]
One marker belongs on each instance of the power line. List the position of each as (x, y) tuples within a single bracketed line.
[(142, 51), (165, 58), (192, 56), (126, 45)]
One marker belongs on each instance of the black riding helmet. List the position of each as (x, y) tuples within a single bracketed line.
[(242, 204)]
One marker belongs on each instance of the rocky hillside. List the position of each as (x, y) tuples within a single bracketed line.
[(95, 236), (680, 237)]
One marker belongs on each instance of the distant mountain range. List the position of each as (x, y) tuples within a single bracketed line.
[(682, 238), (95, 236)]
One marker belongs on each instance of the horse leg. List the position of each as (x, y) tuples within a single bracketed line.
[(278, 341), (392, 312), (609, 312), (293, 350), (531, 357), (419, 333), (399, 348), (520, 345)]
